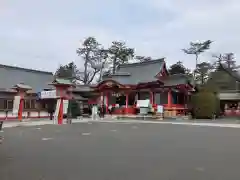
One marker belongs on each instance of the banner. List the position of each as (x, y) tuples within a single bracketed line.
[(143, 103), (48, 94), (159, 109), (57, 111), (65, 106), (16, 104)]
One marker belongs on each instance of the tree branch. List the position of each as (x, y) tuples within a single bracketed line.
[(93, 75)]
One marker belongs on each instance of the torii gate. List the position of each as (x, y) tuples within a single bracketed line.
[(62, 93), (21, 90)]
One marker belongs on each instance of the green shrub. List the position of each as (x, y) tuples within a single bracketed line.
[(205, 104), (73, 108)]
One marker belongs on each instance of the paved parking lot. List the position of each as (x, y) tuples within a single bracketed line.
[(129, 151)]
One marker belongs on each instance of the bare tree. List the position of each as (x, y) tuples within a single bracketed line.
[(93, 55), (227, 59)]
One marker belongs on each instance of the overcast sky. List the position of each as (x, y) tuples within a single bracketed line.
[(41, 34)]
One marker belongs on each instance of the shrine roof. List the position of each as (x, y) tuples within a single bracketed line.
[(62, 81), (22, 86), (233, 73), (83, 88), (135, 73), (176, 79), (79, 97), (12, 75)]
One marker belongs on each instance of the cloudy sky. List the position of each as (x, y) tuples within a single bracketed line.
[(43, 34)]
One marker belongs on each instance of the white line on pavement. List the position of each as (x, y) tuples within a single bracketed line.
[(86, 134), (200, 169), (134, 127), (46, 139), (113, 130)]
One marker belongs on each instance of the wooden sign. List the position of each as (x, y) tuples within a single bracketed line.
[(16, 104)]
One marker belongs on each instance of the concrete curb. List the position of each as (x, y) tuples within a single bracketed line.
[(172, 123), (47, 122), (38, 123), (25, 124)]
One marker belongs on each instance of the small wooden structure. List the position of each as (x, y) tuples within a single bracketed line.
[(62, 93), (21, 90)]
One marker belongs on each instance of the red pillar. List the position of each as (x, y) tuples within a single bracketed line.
[(152, 97), (60, 114), (169, 98), (20, 110), (102, 101), (126, 100), (107, 101)]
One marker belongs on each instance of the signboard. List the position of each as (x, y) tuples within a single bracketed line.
[(57, 111), (143, 103), (48, 94), (159, 109), (65, 106), (16, 103)]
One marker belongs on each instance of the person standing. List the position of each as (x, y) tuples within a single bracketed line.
[(110, 109), (103, 110), (1, 126)]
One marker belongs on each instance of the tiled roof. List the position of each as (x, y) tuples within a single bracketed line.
[(24, 69), (176, 79), (79, 97), (23, 86), (11, 76), (83, 88), (234, 74), (136, 73), (62, 81)]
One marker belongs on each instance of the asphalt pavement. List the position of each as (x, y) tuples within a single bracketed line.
[(120, 151)]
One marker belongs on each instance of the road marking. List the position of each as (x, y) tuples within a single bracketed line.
[(38, 128), (89, 123), (134, 127), (200, 169), (86, 134), (21, 133), (46, 139), (113, 130)]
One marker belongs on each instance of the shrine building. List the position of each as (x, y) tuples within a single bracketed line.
[(145, 80), (37, 90)]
